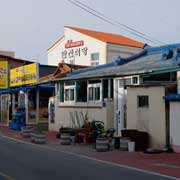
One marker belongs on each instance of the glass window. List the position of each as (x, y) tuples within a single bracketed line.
[(67, 95), (91, 93), (97, 93), (143, 101), (71, 95), (95, 57), (94, 63), (94, 91), (61, 92), (69, 91), (135, 80)]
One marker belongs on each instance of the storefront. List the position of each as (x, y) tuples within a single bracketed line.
[(27, 93), (5, 98), (33, 98)]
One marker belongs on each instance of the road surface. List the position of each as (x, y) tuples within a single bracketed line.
[(19, 161)]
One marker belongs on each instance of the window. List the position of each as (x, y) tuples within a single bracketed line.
[(94, 91), (94, 63), (69, 91), (135, 80), (61, 91), (81, 90), (57, 90), (105, 88), (94, 59), (143, 101)]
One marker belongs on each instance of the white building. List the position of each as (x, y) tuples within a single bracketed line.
[(87, 47)]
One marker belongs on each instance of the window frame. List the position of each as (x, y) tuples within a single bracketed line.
[(94, 86), (95, 62), (69, 88)]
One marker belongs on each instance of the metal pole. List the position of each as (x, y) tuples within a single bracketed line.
[(37, 105), (26, 106), (109, 88)]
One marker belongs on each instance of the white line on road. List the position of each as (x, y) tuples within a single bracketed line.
[(91, 158)]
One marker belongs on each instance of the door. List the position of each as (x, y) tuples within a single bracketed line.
[(5, 109), (51, 110), (120, 105)]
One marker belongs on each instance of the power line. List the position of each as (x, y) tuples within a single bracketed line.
[(121, 24), (113, 22)]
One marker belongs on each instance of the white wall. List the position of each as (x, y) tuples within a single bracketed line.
[(113, 51), (93, 45), (175, 125), (54, 53), (100, 113), (108, 52), (151, 119)]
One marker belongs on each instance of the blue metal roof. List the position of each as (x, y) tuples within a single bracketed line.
[(148, 59)]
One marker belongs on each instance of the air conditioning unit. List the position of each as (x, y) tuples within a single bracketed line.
[(136, 80)]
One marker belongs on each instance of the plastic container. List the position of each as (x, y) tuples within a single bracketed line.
[(124, 144), (131, 146)]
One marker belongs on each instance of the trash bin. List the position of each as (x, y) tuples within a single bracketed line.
[(131, 146)]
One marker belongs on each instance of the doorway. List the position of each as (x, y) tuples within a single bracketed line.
[(120, 103)]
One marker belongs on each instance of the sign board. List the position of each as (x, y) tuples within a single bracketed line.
[(73, 49), (74, 44), (23, 75), (3, 74)]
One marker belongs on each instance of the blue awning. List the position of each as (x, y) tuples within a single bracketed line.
[(172, 97), (4, 91), (47, 86), (25, 88)]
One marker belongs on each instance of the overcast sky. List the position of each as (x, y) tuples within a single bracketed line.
[(29, 27)]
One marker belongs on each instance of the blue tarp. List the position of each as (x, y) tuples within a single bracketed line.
[(172, 97)]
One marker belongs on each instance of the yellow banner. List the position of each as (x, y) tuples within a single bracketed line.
[(24, 75), (3, 74)]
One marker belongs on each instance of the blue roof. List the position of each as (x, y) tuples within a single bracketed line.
[(148, 58)]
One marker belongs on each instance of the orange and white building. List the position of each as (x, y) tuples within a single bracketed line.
[(90, 48)]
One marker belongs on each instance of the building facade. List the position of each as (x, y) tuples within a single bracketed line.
[(110, 93), (91, 48)]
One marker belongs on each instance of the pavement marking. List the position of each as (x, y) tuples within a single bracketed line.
[(6, 176), (91, 158)]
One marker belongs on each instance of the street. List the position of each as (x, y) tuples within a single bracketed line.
[(19, 161)]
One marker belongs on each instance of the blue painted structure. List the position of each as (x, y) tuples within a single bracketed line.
[(18, 119)]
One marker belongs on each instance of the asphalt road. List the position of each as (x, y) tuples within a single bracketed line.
[(19, 161)]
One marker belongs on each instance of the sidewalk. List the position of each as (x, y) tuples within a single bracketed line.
[(166, 164)]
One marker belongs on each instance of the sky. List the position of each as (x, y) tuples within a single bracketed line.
[(29, 27)]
